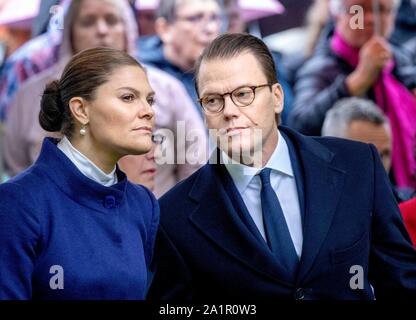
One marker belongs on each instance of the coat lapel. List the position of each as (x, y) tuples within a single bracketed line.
[(323, 186), (216, 217)]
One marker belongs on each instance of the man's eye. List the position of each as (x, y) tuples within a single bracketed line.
[(242, 94), (128, 98), (212, 100)]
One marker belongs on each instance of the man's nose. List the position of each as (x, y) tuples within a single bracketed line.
[(230, 109), (212, 26)]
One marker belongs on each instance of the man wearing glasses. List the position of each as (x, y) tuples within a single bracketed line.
[(276, 214)]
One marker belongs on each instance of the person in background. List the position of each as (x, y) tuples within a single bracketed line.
[(236, 24), (33, 57), (72, 227), (110, 23), (142, 169), (410, 47), (359, 63), (181, 40), (184, 28), (318, 29), (405, 24), (362, 120), (235, 21), (41, 21)]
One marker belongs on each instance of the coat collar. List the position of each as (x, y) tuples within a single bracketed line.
[(216, 217), (74, 184)]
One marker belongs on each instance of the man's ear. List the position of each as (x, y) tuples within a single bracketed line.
[(80, 110), (164, 30), (278, 98)]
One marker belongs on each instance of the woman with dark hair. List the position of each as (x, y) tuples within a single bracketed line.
[(71, 225)]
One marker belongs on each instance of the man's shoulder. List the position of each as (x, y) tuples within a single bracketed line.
[(340, 144), (180, 192), (336, 150), (177, 204)]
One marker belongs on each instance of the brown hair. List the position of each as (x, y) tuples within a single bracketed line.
[(83, 74), (233, 44)]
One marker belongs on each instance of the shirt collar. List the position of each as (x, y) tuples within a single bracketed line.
[(242, 175), (85, 165)]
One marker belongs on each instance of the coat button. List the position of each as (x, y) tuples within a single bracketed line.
[(109, 202), (300, 294)]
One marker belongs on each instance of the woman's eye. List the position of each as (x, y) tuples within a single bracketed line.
[(128, 98)]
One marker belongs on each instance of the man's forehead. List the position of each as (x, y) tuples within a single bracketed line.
[(220, 74)]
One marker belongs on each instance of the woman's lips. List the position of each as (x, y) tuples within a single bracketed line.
[(144, 129), (149, 171)]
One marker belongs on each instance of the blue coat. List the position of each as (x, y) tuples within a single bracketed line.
[(64, 236), (207, 250)]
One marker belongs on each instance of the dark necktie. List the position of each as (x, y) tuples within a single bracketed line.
[(277, 232)]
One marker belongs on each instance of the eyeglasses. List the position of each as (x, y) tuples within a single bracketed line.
[(241, 97), (199, 19), (158, 138)]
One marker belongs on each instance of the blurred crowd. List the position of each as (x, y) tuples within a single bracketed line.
[(351, 75)]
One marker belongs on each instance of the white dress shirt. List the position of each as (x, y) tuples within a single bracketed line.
[(283, 183), (85, 165)]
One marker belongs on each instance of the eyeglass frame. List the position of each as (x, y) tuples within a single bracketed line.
[(158, 138), (253, 88)]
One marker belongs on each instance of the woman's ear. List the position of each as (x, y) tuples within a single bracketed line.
[(79, 109), (278, 98)]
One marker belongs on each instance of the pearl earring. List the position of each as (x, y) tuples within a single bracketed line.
[(82, 131)]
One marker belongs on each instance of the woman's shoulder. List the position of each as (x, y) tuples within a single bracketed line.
[(141, 193), (145, 199), (30, 184)]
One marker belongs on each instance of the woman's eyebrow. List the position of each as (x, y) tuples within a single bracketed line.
[(136, 92)]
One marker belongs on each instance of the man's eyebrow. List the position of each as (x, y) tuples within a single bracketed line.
[(136, 92), (210, 92)]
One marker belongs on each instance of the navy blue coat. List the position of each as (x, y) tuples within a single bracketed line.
[(206, 251), (55, 223)]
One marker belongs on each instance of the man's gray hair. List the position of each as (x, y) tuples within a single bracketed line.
[(338, 119), (167, 9), (338, 6)]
